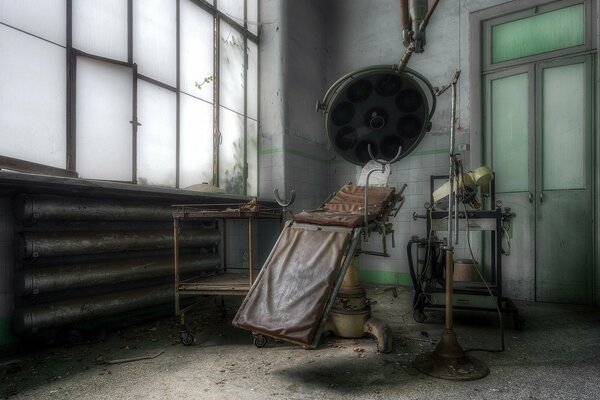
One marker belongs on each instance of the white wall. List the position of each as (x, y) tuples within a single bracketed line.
[(293, 145), (356, 39), (320, 41)]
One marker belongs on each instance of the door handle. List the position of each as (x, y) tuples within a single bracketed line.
[(541, 197), (530, 197)]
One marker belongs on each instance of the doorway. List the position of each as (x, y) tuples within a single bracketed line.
[(538, 124)]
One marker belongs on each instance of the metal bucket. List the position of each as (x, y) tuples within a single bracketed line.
[(465, 271)]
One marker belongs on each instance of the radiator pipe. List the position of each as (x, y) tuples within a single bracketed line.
[(47, 208), (65, 277), (48, 244), (30, 319)]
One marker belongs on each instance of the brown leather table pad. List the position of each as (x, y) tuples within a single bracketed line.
[(346, 208), (288, 299)]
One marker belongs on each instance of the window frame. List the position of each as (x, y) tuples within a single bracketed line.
[(71, 56), (530, 9)]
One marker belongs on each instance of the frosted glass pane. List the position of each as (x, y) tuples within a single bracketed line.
[(32, 99), (233, 9), (196, 51), (563, 127), (155, 39), (157, 136), (541, 33), (252, 157), (231, 79), (231, 152), (509, 105), (196, 142), (252, 95), (100, 27), (43, 18), (104, 99), (252, 16)]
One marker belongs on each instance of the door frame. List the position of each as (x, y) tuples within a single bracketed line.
[(477, 86)]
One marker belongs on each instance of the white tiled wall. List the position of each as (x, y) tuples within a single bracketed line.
[(237, 244), (307, 172), (265, 235)]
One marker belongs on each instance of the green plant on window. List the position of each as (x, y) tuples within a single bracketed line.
[(206, 80), (235, 177)]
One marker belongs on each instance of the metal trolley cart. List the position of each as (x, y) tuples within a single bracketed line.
[(221, 281), (428, 280)]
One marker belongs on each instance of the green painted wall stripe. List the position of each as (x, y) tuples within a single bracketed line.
[(272, 150), (6, 336), (429, 152), (385, 277), (306, 155), (276, 150)]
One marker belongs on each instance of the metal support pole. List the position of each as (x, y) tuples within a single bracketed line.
[(251, 248), (176, 262), (449, 284), (448, 360), (452, 208)]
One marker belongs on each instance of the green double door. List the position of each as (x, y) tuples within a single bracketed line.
[(538, 139)]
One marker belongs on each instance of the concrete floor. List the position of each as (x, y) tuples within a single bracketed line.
[(557, 356)]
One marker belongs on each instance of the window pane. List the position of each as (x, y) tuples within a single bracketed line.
[(233, 9), (252, 98), (231, 79), (541, 33), (104, 99), (43, 18), (32, 99), (252, 157), (196, 51), (564, 127), (231, 152), (154, 39), (156, 139), (509, 113), (252, 16), (196, 142), (100, 27)]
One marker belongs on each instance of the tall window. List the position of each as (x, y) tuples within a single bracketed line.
[(155, 92)]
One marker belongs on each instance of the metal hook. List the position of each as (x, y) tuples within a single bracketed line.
[(382, 161), (283, 203), (383, 164)]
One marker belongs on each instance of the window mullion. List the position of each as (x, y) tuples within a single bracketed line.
[(216, 101), (178, 86)]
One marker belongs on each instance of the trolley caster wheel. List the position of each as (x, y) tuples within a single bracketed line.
[(419, 316), (519, 322), (187, 339), (260, 340)]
